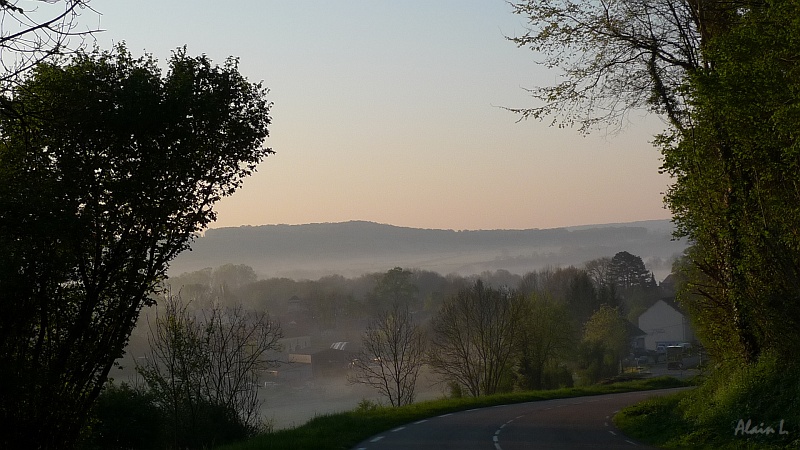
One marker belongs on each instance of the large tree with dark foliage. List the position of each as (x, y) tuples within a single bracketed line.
[(627, 271), (736, 184), (108, 172), (724, 75)]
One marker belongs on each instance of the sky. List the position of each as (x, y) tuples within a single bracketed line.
[(392, 112)]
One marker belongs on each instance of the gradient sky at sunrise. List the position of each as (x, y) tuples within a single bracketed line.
[(390, 111)]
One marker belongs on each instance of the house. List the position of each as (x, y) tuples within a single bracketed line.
[(665, 324)]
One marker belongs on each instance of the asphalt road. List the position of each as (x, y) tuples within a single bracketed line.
[(572, 423)]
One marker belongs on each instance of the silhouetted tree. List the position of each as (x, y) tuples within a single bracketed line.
[(626, 271), (615, 56), (119, 171)]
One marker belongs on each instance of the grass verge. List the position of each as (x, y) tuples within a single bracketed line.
[(715, 415), (344, 430)]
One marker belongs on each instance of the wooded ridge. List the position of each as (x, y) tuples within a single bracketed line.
[(353, 248)]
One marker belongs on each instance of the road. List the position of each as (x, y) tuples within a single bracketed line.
[(572, 423)]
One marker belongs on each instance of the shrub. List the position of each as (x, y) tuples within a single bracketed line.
[(126, 417)]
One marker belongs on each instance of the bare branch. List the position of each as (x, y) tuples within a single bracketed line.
[(615, 56), (29, 37), (391, 356)]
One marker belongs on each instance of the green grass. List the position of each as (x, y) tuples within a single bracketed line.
[(344, 430), (707, 417)]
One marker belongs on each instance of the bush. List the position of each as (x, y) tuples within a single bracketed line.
[(131, 418), (126, 417), (557, 377), (206, 425), (366, 405)]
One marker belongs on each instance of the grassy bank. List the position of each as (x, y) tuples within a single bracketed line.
[(344, 430), (715, 415)]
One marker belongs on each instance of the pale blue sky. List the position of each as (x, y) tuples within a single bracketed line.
[(388, 111)]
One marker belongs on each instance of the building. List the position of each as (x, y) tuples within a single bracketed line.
[(665, 324), (333, 361)]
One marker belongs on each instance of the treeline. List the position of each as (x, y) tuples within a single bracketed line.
[(622, 281)]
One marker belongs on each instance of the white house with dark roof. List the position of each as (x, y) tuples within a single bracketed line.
[(665, 324)]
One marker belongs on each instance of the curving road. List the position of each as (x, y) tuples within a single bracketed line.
[(570, 423)]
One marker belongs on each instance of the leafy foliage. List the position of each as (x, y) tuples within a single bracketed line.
[(604, 342), (127, 417), (109, 170), (394, 287), (545, 340), (626, 271), (735, 192), (707, 417), (725, 75)]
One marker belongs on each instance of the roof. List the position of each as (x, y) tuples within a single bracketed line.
[(340, 346), (673, 303), (632, 330)]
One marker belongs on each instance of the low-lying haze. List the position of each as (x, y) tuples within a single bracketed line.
[(354, 248)]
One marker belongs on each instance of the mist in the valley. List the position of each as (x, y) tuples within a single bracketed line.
[(323, 319), (351, 249)]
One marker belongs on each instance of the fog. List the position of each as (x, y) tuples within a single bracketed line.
[(292, 405), (351, 249), (289, 393), (315, 313)]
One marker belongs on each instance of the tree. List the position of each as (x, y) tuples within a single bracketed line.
[(635, 284), (565, 285), (110, 173), (473, 337), (605, 340), (627, 271), (233, 276), (127, 417), (545, 336), (599, 270), (395, 286), (203, 371), (724, 74), (392, 351), (734, 194)]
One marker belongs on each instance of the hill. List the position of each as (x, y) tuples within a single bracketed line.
[(354, 248)]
